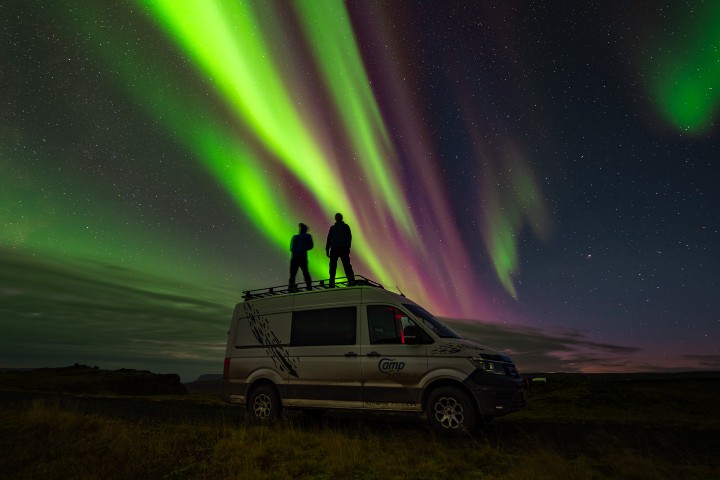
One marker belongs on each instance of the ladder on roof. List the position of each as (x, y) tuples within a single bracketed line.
[(341, 282)]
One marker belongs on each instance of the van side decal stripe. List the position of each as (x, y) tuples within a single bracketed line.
[(260, 328), (452, 347)]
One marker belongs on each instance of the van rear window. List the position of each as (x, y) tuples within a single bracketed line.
[(327, 326)]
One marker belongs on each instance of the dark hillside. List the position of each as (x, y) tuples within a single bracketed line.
[(82, 379)]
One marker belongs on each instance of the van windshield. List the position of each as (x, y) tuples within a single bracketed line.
[(439, 328)]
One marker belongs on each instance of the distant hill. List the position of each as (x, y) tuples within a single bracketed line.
[(84, 379)]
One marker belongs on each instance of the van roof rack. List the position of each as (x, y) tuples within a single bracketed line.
[(341, 282)]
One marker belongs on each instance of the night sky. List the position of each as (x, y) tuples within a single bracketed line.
[(542, 174)]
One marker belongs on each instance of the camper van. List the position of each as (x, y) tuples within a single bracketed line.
[(359, 346)]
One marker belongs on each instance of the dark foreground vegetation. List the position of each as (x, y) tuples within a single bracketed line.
[(577, 427)]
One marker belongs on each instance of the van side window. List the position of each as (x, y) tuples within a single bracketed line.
[(386, 324), (327, 326)]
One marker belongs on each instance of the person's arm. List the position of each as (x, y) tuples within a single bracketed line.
[(349, 236), (327, 243), (292, 240), (310, 243)]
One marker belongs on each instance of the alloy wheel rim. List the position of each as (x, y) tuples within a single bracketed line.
[(262, 406), (449, 413)]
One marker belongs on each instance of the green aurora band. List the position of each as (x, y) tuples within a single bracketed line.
[(249, 111), (684, 69), (511, 200), (227, 42)]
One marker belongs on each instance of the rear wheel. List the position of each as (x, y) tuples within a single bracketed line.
[(450, 411), (264, 403)]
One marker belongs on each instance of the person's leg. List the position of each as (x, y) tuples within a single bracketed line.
[(347, 266), (294, 265), (306, 273), (333, 267)]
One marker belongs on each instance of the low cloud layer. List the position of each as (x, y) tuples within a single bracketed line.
[(62, 312), (536, 351), (59, 312)]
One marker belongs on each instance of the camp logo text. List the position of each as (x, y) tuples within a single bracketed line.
[(390, 365)]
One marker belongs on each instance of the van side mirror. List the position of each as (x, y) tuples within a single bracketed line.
[(411, 334)]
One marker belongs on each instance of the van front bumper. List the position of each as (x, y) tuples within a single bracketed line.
[(496, 395)]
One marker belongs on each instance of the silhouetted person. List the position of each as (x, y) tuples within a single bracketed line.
[(299, 246), (338, 246)]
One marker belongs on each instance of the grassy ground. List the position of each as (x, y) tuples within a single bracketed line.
[(577, 427)]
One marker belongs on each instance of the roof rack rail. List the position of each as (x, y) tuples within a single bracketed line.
[(341, 282)]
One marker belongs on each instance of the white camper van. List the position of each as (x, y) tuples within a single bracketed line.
[(361, 347)]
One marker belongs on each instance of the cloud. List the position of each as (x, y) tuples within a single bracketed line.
[(62, 311), (57, 312), (707, 361), (571, 350), (534, 350)]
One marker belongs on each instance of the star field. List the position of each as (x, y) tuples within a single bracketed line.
[(544, 168)]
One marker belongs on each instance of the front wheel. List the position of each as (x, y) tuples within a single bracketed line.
[(450, 411), (264, 404)]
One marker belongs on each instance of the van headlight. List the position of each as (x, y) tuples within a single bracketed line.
[(488, 366)]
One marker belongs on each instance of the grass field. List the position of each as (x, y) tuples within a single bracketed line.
[(577, 427)]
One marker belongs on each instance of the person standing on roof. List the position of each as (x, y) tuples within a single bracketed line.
[(338, 244), (299, 246)]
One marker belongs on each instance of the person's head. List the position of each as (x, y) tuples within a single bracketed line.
[(338, 217), (303, 228)]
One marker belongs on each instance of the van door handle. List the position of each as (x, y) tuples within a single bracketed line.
[(351, 354), (373, 354)]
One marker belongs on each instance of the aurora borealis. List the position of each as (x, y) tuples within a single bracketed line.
[(544, 169)]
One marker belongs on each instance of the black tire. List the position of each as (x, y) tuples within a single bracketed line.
[(450, 411), (264, 404)]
